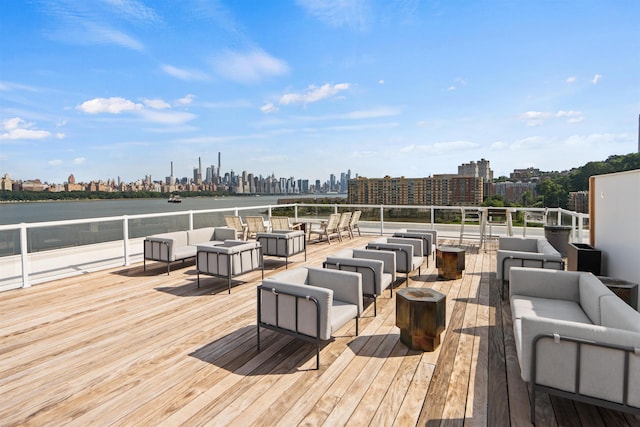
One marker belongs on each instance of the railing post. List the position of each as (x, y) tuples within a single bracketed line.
[(24, 252), (125, 238), (432, 218), (295, 211), (573, 228), (190, 220), (559, 221), (269, 211), (381, 220)]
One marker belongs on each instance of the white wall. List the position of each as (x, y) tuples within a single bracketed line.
[(615, 223)]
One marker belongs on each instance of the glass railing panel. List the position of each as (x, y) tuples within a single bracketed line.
[(9, 242), (70, 235), (142, 227)]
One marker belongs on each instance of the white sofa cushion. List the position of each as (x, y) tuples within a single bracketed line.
[(591, 290), (615, 313)]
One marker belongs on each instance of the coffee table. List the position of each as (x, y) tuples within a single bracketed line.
[(421, 317), (450, 262)]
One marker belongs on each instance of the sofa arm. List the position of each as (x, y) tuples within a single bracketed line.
[(601, 363), (416, 243), (225, 233), (544, 283)]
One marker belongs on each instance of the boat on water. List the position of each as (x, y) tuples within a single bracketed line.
[(175, 199)]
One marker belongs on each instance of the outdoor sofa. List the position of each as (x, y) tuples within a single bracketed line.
[(575, 338), (181, 245), (525, 252), (228, 259)]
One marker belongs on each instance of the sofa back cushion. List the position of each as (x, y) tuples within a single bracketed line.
[(615, 313), (544, 247), (517, 244), (200, 235), (591, 290)]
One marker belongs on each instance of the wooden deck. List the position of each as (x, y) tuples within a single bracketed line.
[(128, 347)]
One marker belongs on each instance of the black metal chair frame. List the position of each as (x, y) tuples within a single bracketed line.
[(156, 242), (357, 268), (395, 249), (229, 266), (577, 396), (296, 333), (522, 260), (286, 257), (409, 235)]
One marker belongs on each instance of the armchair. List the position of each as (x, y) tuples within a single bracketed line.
[(409, 254), (309, 303), (429, 240), (281, 243), (378, 270), (328, 228)]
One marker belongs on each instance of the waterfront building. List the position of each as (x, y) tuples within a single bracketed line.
[(514, 191), (6, 183), (439, 190)]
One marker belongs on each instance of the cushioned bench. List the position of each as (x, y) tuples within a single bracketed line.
[(575, 338), (181, 245)]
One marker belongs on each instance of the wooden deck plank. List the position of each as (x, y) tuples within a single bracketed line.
[(128, 347)]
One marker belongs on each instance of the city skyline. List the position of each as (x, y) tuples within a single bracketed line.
[(306, 88)]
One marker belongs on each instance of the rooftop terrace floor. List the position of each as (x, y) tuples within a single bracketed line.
[(129, 347)]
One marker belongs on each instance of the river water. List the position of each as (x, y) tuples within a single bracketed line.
[(15, 213)]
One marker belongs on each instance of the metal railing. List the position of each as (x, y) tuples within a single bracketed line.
[(39, 252)]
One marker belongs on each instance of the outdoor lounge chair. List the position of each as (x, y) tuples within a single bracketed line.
[(378, 270), (354, 223), (255, 224), (327, 229), (309, 303), (343, 224), (283, 223), (235, 222)]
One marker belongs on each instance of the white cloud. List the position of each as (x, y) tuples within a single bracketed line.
[(535, 118), (313, 94), (113, 105), (269, 108), (451, 88), (157, 111), (157, 104), (596, 78), (79, 160), (167, 117), (572, 116), (249, 67), (55, 162), (570, 79), (440, 147), (134, 10), (16, 128), (186, 100), (183, 74), (339, 13)]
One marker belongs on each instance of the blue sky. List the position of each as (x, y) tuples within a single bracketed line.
[(120, 88)]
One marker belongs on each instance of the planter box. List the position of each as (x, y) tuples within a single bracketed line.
[(582, 257)]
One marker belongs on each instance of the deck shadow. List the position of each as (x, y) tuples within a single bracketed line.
[(279, 354)]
